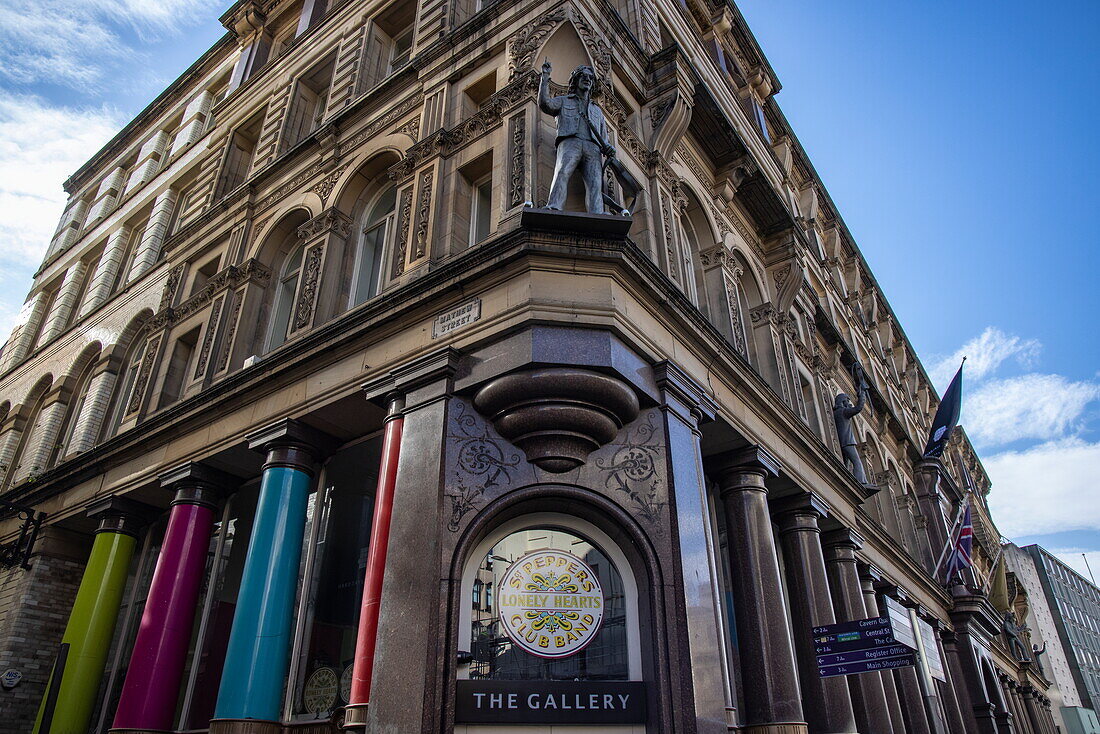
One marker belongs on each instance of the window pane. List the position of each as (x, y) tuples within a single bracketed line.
[(280, 315), (368, 262), (483, 210)]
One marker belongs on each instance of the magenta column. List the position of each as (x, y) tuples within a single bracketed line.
[(151, 690)]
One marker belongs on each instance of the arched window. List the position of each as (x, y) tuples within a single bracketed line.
[(595, 637), (283, 304), (128, 378), (374, 237)]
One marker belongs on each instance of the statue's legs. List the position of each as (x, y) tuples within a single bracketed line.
[(851, 456), (569, 154), (593, 178)]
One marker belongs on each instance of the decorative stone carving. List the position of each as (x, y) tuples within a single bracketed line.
[(208, 338), (482, 462), (423, 214), (142, 379), (175, 275), (325, 186), (633, 470), (232, 276), (311, 274), (404, 222), (519, 168), (410, 128), (330, 220), (231, 333), (557, 416), (524, 45)]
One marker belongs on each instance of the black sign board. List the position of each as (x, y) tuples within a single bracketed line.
[(867, 666), (858, 656), (862, 646), (550, 702)]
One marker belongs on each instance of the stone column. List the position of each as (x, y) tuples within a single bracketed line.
[(151, 690), (92, 620), (868, 577), (106, 270), (23, 335), (868, 695), (258, 653), (156, 231), (826, 701), (1031, 705), (65, 302), (929, 479), (769, 677), (686, 405), (97, 401)]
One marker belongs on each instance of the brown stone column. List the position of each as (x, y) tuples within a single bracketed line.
[(891, 688), (1031, 705), (868, 696), (827, 702), (768, 675)]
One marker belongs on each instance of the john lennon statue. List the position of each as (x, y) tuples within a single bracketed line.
[(581, 137), (843, 412)]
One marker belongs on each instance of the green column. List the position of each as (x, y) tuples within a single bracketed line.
[(92, 620)]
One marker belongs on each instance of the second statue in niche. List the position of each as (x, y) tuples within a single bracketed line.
[(843, 413)]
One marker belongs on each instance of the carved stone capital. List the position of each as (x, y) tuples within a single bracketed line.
[(557, 416), (330, 220)]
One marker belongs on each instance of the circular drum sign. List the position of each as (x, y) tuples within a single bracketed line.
[(550, 603)]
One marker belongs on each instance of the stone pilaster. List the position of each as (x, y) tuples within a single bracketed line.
[(768, 673), (148, 250), (826, 701), (868, 695), (106, 270)]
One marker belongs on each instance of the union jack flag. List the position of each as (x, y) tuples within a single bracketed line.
[(958, 558)]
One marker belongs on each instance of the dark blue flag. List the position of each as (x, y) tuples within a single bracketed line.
[(947, 416)]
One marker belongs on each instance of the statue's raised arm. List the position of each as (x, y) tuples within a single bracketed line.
[(549, 105)]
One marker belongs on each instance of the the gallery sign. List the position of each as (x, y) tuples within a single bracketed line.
[(550, 702)]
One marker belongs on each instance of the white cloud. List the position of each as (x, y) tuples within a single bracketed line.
[(1042, 407), (1048, 488), (1072, 558), (40, 146), (77, 42), (984, 354)]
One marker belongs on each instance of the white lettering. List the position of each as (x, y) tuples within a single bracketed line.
[(624, 698), (478, 697), (496, 700), (608, 701), (511, 700), (533, 701), (550, 703), (593, 700)]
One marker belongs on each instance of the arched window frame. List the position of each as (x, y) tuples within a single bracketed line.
[(281, 322), (375, 232), (125, 384), (571, 524)]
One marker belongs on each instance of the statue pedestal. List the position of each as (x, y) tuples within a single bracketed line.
[(608, 225)]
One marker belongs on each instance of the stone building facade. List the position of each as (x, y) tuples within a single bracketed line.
[(303, 378)]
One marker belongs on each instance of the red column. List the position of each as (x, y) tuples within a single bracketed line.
[(376, 567)]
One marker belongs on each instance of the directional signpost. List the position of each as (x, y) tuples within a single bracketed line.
[(862, 646)]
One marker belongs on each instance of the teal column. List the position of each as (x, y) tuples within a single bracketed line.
[(92, 620), (258, 654)]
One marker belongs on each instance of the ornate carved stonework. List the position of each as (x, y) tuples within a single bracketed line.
[(404, 222), (482, 462), (530, 38), (666, 223), (307, 295), (423, 214), (403, 108), (208, 338), (230, 277), (633, 470), (175, 275), (142, 379), (489, 116), (330, 220), (519, 169), (324, 187), (316, 168), (231, 330), (410, 128), (731, 280), (557, 416)]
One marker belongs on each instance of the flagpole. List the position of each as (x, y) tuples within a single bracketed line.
[(951, 537)]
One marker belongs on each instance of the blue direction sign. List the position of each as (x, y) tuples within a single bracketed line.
[(861, 646), (868, 666), (857, 656)]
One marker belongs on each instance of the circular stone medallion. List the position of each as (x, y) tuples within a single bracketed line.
[(550, 603)]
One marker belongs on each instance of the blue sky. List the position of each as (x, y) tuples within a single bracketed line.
[(957, 140)]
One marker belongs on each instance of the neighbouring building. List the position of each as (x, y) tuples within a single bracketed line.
[(1064, 621), (311, 420)]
